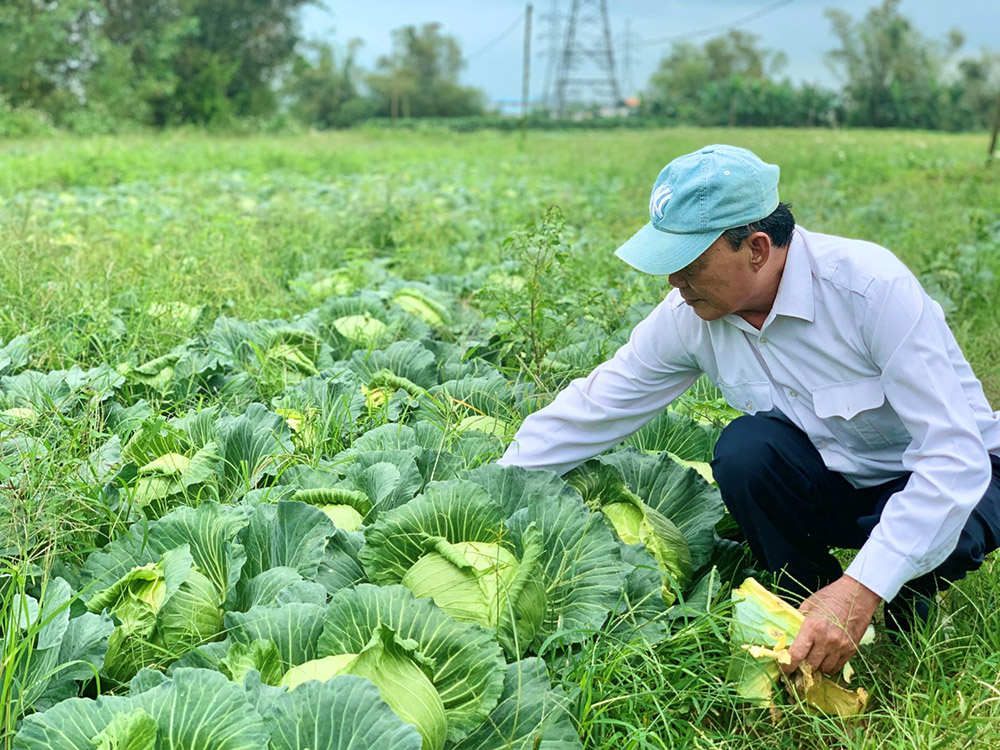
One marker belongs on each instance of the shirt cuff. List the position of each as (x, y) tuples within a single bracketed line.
[(881, 569)]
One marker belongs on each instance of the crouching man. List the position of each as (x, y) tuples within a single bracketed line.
[(864, 425)]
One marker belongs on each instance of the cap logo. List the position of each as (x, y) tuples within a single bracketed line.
[(658, 201)]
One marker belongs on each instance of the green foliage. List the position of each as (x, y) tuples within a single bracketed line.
[(894, 76), (730, 80), (530, 301), (324, 90), (420, 76)]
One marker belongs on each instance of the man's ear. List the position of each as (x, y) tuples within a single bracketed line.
[(760, 250)]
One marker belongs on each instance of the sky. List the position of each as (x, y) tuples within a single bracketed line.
[(800, 29)]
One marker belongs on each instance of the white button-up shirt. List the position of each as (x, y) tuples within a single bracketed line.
[(854, 353)]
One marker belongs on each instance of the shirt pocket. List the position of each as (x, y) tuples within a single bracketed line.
[(857, 413), (749, 398)]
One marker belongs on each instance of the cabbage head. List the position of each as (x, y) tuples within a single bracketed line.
[(164, 608), (398, 670), (420, 305), (487, 424), (345, 507), (362, 330), (483, 582), (451, 545)]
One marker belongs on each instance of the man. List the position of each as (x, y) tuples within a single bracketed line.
[(864, 425)]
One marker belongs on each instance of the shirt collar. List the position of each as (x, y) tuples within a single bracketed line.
[(795, 290)]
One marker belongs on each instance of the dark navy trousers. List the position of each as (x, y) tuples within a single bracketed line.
[(793, 509)]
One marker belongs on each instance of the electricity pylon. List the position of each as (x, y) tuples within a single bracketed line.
[(587, 61)]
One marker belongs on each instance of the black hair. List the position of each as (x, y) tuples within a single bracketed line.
[(778, 226)]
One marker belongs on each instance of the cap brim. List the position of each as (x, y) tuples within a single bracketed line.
[(659, 253)]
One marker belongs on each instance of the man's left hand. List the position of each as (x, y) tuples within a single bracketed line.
[(836, 617)]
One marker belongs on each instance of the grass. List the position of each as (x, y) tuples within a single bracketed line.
[(95, 234)]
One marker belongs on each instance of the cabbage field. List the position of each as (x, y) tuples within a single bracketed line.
[(251, 395)]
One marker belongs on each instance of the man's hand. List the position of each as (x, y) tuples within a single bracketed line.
[(836, 617)]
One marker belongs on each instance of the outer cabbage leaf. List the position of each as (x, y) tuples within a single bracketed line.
[(135, 730), (344, 713), (250, 446), (299, 536), (466, 665), (511, 486), (531, 715), (64, 649), (397, 669), (676, 433), (195, 710), (294, 629), (583, 571), (278, 586)]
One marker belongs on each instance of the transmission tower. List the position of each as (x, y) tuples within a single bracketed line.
[(587, 61), (551, 38)]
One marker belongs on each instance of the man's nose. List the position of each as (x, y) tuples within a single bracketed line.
[(677, 280)]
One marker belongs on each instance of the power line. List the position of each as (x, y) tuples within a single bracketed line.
[(497, 39), (719, 27)]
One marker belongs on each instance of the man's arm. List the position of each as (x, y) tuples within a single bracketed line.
[(595, 413), (949, 465)]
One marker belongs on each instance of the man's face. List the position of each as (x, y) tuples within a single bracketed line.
[(718, 282)]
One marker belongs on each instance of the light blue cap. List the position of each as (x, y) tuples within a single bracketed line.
[(695, 199)]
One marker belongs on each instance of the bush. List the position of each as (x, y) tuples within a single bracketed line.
[(17, 122)]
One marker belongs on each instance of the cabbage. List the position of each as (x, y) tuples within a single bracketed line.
[(514, 551), (164, 609), (482, 582), (397, 669), (361, 330), (762, 628), (487, 424), (418, 304), (346, 508), (635, 522)]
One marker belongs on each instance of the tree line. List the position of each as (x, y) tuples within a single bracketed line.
[(104, 65)]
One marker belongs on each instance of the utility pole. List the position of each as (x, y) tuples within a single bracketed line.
[(993, 138), (588, 39), (526, 74)]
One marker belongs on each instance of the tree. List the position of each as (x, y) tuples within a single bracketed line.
[(420, 77), (135, 77), (47, 48), (678, 86), (730, 80), (324, 91), (892, 73)]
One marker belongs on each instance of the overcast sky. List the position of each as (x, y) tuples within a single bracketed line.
[(800, 29)]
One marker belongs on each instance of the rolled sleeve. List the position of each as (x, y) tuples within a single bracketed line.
[(595, 413), (949, 464)]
